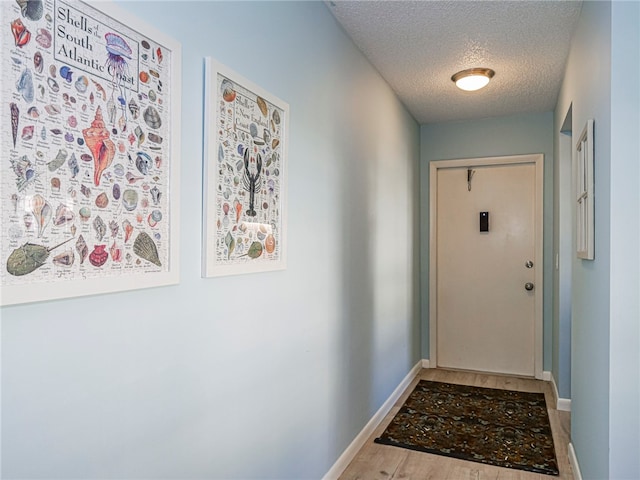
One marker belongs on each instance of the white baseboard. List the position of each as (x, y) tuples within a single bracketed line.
[(352, 450), (573, 461), (562, 404), (425, 363)]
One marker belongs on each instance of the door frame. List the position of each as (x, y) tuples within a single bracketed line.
[(538, 161)]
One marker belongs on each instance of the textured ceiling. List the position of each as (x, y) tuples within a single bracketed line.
[(417, 45)]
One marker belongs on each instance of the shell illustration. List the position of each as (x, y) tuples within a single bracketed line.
[(100, 89), (98, 257), (228, 92), (52, 109), (64, 259), (155, 195), (63, 215), (230, 242), (155, 138), (25, 85), (21, 34), (73, 165), (31, 9), (38, 62), (152, 117), (53, 85), (24, 170), (82, 84), (146, 249), (85, 214), (57, 162), (15, 116), (66, 73), (114, 228), (270, 243), (102, 200), (100, 227), (82, 249), (115, 191), (131, 178), (27, 133), (128, 230), (116, 253), (112, 111), (102, 148), (43, 38), (41, 210), (29, 257), (139, 135), (130, 199), (143, 163), (262, 105), (134, 109)]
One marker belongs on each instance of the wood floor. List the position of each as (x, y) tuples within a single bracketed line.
[(383, 462)]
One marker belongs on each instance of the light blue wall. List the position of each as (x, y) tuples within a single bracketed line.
[(587, 89), (602, 82), (513, 135), (255, 376), (624, 360)]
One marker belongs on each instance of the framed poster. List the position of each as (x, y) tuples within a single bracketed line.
[(90, 105), (246, 135)]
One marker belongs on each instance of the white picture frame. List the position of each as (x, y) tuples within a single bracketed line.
[(94, 133), (584, 185), (245, 165)]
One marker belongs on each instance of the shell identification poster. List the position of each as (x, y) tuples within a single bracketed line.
[(86, 150)]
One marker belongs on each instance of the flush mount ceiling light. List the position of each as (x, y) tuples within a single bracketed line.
[(473, 78)]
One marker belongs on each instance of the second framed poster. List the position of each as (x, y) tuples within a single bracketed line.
[(246, 136)]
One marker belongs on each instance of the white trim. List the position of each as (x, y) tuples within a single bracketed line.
[(563, 404), (538, 161), (352, 450), (548, 377), (425, 363), (573, 461)]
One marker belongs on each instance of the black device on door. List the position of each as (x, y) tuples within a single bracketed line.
[(484, 221)]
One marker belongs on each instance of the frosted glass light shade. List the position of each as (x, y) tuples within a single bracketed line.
[(473, 79)]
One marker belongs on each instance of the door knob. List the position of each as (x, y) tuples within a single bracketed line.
[(529, 264), (528, 286)]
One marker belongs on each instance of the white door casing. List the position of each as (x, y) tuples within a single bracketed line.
[(481, 316)]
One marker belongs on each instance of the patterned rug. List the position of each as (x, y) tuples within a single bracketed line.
[(485, 425)]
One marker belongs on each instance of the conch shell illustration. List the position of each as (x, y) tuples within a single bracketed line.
[(102, 148), (41, 210)]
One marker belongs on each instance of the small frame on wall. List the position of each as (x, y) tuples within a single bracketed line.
[(90, 138), (583, 168), (245, 191)]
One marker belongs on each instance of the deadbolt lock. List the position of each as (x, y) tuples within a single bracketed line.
[(528, 286)]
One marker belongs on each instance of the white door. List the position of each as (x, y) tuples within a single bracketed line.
[(487, 306)]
